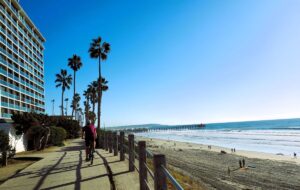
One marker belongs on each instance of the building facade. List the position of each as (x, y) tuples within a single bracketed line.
[(21, 62)]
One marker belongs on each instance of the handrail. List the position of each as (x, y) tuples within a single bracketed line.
[(128, 151), (149, 171), (150, 154), (136, 154), (171, 178), (147, 185)]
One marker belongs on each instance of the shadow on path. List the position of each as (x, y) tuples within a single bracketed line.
[(41, 181), (109, 172), (78, 173), (70, 183)]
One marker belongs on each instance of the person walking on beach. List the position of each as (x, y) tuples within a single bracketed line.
[(240, 163), (295, 155)]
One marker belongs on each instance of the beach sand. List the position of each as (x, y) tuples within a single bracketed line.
[(211, 168)]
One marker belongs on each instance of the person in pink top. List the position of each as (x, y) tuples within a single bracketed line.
[(90, 135)]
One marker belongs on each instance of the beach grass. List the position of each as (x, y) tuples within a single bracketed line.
[(185, 181)]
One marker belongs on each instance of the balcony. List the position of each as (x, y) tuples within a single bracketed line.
[(6, 115)]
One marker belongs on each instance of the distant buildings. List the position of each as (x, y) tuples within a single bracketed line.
[(21, 62)]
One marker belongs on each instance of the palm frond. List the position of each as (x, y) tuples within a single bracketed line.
[(103, 56), (106, 47)]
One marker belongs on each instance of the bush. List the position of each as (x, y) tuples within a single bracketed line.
[(35, 133), (24, 122), (4, 147), (4, 141), (57, 136), (71, 126)]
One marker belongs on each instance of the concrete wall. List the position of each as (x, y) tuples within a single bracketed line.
[(18, 142)]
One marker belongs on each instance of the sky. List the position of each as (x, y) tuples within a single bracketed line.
[(178, 61)]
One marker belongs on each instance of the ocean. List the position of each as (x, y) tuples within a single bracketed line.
[(271, 136)]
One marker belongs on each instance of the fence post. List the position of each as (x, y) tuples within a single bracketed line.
[(115, 136), (122, 153), (131, 152), (160, 180), (102, 139), (107, 145), (110, 142), (142, 167)]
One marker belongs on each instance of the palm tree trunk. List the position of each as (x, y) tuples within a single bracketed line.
[(99, 92), (87, 109), (94, 102), (74, 106), (62, 103)]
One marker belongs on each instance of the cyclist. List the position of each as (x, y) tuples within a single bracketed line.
[(90, 134)]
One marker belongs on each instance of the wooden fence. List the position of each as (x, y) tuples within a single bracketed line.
[(127, 148)]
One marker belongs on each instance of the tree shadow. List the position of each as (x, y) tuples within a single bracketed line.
[(41, 181), (71, 148), (78, 173), (70, 183)]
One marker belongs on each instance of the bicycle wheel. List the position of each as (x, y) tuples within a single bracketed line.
[(92, 156)]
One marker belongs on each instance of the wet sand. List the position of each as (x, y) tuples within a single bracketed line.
[(211, 168)]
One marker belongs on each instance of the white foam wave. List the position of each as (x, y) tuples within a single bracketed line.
[(269, 141)]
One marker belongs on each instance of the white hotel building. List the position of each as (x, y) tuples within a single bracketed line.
[(21, 62)]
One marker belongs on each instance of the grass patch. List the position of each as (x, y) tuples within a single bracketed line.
[(13, 167), (185, 181)]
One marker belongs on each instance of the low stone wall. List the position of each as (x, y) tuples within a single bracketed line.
[(18, 142)]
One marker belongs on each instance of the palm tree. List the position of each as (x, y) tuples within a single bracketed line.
[(74, 63), (93, 90), (66, 100), (64, 80), (99, 50), (104, 85), (86, 110), (75, 102), (87, 93)]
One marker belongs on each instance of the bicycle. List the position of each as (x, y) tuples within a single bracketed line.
[(91, 154)]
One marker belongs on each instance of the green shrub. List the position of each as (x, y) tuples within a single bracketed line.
[(4, 147), (24, 121), (4, 141), (71, 126), (35, 133), (57, 136)]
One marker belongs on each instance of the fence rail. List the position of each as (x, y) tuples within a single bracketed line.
[(137, 150)]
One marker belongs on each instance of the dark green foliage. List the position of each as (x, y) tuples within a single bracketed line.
[(4, 147), (23, 122), (71, 126), (58, 135), (4, 141), (36, 132)]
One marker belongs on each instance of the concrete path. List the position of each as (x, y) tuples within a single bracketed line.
[(66, 168)]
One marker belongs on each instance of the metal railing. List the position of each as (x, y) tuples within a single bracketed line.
[(133, 150)]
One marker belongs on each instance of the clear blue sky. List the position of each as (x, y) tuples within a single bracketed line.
[(179, 61)]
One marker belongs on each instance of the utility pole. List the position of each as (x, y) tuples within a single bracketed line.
[(52, 106)]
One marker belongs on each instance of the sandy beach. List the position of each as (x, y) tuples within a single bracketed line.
[(221, 171)]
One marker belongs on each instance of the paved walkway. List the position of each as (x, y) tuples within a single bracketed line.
[(67, 169)]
